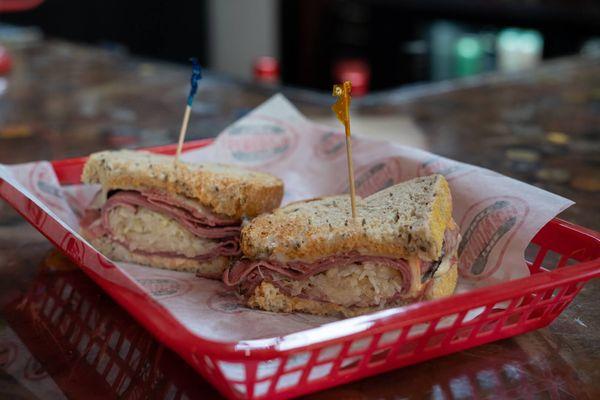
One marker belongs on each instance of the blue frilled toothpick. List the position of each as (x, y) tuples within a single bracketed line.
[(196, 76)]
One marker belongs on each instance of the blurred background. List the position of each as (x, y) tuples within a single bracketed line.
[(378, 44)]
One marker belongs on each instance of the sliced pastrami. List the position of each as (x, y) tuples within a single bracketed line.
[(249, 273), (249, 270), (196, 219), (199, 222)]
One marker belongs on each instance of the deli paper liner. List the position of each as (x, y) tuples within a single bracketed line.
[(497, 216)]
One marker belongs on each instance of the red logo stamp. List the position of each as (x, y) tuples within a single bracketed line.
[(377, 176), (438, 165), (261, 140), (491, 224), (73, 248), (104, 263), (36, 214)]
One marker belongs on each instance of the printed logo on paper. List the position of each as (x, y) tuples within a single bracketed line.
[(331, 145), (8, 353), (260, 140), (40, 178), (73, 248), (162, 288), (227, 302), (439, 165), (377, 176), (488, 227), (76, 202)]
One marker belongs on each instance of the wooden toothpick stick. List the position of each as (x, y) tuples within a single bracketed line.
[(342, 112), (183, 130), (196, 76), (351, 173)]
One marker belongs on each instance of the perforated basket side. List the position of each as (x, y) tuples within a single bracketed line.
[(431, 334), (395, 346)]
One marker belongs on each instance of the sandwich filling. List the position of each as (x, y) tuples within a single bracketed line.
[(350, 280), (154, 223)]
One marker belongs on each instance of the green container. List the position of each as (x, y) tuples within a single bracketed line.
[(469, 54)]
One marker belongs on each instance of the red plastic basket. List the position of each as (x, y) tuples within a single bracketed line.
[(566, 257)]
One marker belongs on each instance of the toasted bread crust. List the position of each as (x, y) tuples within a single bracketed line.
[(386, 225), (209, 269), (269, 298), (441, 214), (443, 284), (225, 189)]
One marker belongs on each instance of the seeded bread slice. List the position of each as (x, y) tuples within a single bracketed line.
[(402, 221), (225, 189)]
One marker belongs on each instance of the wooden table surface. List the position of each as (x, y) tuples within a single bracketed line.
[(62, 100)]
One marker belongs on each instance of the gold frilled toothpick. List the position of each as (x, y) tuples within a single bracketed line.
[(196, 76), (341, 108)]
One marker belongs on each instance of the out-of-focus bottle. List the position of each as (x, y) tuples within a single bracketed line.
[(443, 36), (355, 70), (266, 70), (469, 56), (519, 49)]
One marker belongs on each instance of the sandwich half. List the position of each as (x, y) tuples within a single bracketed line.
[(154, 211), (312, 257)]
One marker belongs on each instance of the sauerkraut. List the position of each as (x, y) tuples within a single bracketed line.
[(365, 284), (146, 230)]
